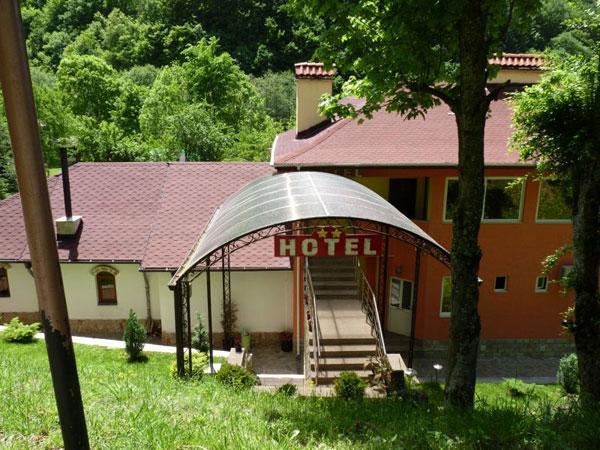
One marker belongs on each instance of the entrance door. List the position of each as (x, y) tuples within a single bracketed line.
[(400, 307)]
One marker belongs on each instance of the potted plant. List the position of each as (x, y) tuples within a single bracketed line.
[(237, 342), (285, 338)]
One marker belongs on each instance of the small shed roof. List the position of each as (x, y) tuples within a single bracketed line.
[(285, 198)]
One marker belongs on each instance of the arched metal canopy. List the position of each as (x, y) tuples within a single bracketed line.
[(295, 196)]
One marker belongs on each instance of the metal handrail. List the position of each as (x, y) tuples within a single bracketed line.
[(311, 301), (369, 306)]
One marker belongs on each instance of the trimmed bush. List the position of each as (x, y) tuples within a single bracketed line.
[(287, 389), (199, 363), (200, 336), (568, 374), (16, 331), (236, 376), (350, 386), (518, 388), (134, 337)]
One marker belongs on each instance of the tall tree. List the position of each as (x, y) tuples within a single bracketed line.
[(558, 125), (409, 56)]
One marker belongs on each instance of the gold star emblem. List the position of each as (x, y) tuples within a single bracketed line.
[(336, 233), (322, 233)]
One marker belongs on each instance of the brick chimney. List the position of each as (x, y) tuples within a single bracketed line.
[(312, 81)]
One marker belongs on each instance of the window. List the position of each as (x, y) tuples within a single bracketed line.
[(409, 196), (107, 291), (451, 198), (401, 293), (501, 284), (503, 198), (446, 301), (552, 206), (541, 284), (4, 289)]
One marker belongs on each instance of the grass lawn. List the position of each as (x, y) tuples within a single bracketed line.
[(139, 406)]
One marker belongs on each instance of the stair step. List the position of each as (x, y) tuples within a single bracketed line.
[(335, 290), (346, 340), (345, 351), (337, 297), (341, 363), (334, 284), (329, 376)]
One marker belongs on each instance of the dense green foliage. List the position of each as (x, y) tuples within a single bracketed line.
[(200, 336), (287, 389), (558, 125), (95, 62), (236, 376), (349, 386), (199, 363), (134, 337), (133, 80), (568, 374), (18, 332), (141, 405)]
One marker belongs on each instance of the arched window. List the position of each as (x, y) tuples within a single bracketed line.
[(4, 289), (107, 288)]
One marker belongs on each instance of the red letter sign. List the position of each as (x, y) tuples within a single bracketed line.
[(328, 242)]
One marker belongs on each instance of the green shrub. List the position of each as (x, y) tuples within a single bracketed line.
[(518, 388), (199, 363), (200, 336), (287, 389), (568, 374), (350, 386), (17, 331), (236, 376), (134, 337)]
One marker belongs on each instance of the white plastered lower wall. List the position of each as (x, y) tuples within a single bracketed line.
[(81, 294), (263, 298)]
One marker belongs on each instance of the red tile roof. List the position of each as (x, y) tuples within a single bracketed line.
[(313, 71), (389, 140), (148, 213), (518, 61)]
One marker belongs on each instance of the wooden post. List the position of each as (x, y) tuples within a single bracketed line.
[(29, 164)]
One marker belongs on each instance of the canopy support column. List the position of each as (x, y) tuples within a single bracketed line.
[(413, 325), (210, 327), (178, 301), (187, 294), (226, 289)]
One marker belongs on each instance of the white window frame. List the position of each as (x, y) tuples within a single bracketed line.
[(444, 314), (401, 293), (521, 200), (537, 289), (505, 283), (537, 210)]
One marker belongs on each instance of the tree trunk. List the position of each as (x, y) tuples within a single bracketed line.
[(586, 244), (470, 110)]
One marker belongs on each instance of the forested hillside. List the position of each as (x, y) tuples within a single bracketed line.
[(136, 80)]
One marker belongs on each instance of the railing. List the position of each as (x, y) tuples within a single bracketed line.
[(369, 306), (310, 301)]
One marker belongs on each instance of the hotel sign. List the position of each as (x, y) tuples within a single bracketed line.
[(328, 242)]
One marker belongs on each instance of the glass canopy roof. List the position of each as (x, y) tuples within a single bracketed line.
[(288, 197)]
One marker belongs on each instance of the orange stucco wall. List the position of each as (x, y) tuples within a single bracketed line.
[(512, 249)]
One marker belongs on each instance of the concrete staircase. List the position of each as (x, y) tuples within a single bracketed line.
[(346, 342)]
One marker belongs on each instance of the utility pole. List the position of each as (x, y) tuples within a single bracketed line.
[(29, 164)]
